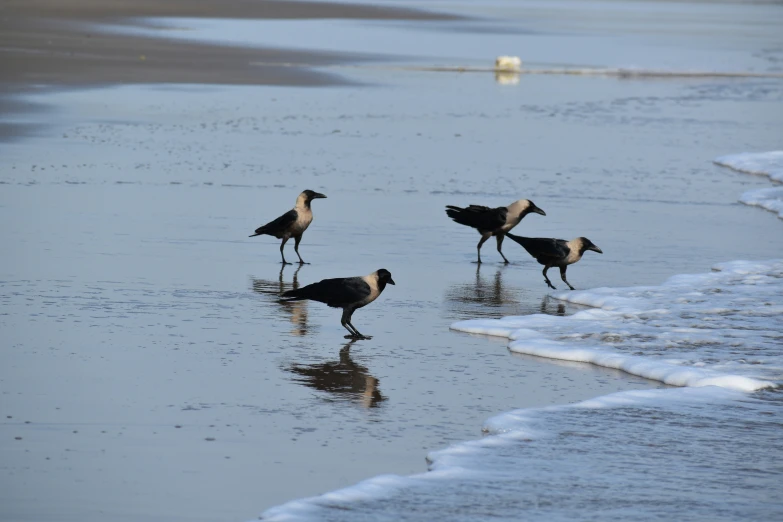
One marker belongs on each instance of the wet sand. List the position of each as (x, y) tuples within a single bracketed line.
[(55, 44), (52, 42), (149, 372)]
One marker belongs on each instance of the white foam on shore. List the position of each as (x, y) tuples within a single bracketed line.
[(761, 163), (764, 164), (767, 198), (721, 328)]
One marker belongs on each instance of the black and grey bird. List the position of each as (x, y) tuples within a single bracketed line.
[(292, 224), (348, 293), (493, 221), (556, 252)]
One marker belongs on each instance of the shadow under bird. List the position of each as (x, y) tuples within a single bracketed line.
[(493, 221), (348, 293), (292, 224), (556, 252)]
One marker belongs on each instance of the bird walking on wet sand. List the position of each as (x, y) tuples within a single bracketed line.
[(292, 224), (348, 293), (556, 252), (493, 221)]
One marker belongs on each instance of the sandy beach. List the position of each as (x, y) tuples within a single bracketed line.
[(52, 44), (148, 370)]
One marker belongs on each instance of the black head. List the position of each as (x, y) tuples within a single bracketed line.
[(384, 277), (589, 245), (311, 195), (534, 208)]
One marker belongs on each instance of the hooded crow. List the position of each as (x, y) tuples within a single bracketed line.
[(348, 293), (493, 221), (292, 224), (556, 252)]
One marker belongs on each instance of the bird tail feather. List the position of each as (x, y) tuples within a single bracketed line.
[(293, 295), (524, 241), (298, 294), (459, 215), (259, 231)]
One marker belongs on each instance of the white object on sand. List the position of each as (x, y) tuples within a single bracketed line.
[(508, 63)]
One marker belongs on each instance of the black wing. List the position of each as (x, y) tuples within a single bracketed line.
[(478, 217), (279, 226), (337, 292), (544, 249)]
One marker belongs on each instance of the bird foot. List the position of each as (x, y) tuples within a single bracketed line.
[(303, 263), (358, 337), (287, 263), (550, 285)]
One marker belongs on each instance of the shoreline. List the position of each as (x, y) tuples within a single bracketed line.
[(52, 44)]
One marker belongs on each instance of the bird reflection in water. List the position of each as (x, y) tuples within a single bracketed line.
[(494, 297), (487, 296), (344, 378), (295, 310), (551, 306)]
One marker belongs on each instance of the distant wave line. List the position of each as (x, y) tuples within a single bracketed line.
[(589, 71)]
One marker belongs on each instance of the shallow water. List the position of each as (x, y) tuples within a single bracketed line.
[(634, 456), (707, 451), (133, 303)]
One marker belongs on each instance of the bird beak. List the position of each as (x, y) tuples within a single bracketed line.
[(318, 195), (596, 249), (539, 211), (391, 282)]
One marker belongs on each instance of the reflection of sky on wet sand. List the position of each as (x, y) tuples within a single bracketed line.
[(343, 379)]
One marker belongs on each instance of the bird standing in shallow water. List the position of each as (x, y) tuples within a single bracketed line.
[(348, 293), (292, 224), (556, 252), (493, 221)]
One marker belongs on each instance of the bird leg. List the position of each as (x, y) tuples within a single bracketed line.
[(359, 334), (345, 320), (281, 251), (478, 247), (548, 282), (351, 333), (297, 239), (500, 238), (563, 277)]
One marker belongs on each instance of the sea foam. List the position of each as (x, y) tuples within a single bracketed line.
[(760, 163), (722, 328), (768, 198)]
